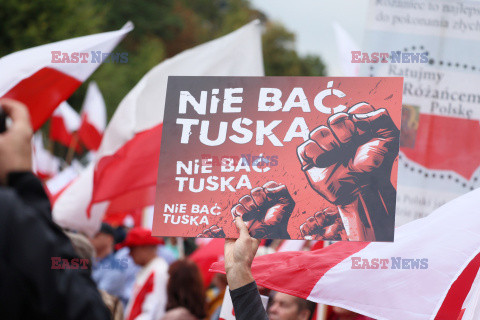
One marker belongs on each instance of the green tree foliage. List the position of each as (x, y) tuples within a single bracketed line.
[(281, 58), (26, 23), (162, 29)]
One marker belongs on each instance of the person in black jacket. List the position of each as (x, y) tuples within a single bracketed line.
[(38, 276)]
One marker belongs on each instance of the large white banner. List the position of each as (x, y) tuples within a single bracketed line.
[(435, 46)]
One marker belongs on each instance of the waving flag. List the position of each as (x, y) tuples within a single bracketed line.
[(471, 305), (43, 76), (94, 118), (56, 185), (65, 121), (425, 274), (45, 165), (205, 256), (127, 161)]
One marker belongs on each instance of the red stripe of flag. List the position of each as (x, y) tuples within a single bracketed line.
[(134, 166), (297, 272), (140, 298), (42, 92), (452, 304), (89, 135)]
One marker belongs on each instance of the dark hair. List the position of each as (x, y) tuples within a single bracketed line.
[(185, 288), (107, 229), (305, 304)]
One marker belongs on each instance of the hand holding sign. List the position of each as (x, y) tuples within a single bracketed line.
[(349, 163), (267, 210)]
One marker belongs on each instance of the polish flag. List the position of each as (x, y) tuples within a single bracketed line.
[(94, 118), (42, 77), (56, 185), (126, 168), (445, 248), (65, 121), (44, 164), (471, 306)]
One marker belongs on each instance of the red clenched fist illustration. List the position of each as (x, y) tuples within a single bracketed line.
[(266, 210), (349, 163), (212, 232), (324, 225)]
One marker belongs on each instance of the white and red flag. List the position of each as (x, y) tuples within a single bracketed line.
[(64, 123), (125, 173), (426, 273), (57, 184), (94, 118), (44, 164), (43, 76)]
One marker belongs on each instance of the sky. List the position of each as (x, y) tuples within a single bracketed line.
[(312, 22)]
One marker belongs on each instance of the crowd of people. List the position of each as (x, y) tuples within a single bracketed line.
[(120, 273)]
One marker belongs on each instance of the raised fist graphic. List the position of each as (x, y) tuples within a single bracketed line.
[(266, 211), (324, 225), (349, 163), (212, 232)]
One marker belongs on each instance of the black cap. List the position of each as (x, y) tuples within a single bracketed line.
[(107, 229)]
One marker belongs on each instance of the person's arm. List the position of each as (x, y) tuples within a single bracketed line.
[(239, 256), (247, 303), (32, 284), (31, 240)]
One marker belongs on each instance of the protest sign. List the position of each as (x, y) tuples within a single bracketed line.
[(434, 45), (296, 157)]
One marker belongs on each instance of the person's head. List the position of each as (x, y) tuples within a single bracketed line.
[(82, 247), (142, 255), (143, 247), (185, 288), (220, 281), (340, 313), (104, 240), (287, 307)]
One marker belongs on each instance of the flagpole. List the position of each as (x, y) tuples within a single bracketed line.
[(321, 312), (51, 144), (71, 148)]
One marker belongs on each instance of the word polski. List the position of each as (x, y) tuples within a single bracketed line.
[(393, 263), (92, 57), (268, 101), (394, 56)]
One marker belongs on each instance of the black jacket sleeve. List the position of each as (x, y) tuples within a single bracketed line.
[(29, 239), (247, 303)]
